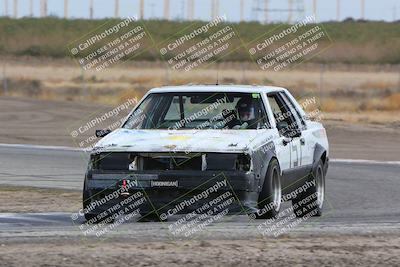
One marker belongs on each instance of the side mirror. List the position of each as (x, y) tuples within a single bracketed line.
[(102, 133), (286, 141), (282, 125)]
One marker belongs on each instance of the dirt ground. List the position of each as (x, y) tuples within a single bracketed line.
[(39, 122), (30, 199), (359, 250)]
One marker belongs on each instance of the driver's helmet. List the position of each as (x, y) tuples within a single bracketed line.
[(245, 109)]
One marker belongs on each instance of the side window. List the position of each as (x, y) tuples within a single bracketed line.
[(294, 111), (285, 121)]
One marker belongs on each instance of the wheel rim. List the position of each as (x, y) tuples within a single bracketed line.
[(320, 183), (276, 190)]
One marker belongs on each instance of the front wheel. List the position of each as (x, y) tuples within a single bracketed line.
[(269, 201), (311, 201)]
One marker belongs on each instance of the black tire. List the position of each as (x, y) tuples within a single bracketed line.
[(311, 202), (270, 198), (93, 216)]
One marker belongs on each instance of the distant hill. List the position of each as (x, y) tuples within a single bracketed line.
[(353, 41)]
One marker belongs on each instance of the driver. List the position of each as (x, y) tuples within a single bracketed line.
[(246, 115)]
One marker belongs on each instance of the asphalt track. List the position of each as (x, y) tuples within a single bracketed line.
[(361, 196)]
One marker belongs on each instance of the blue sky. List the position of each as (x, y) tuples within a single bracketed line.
[(375, 10)]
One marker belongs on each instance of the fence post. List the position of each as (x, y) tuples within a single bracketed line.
[(243, 73), (5, 81), (167, 74), (321, 84), (85, 91)]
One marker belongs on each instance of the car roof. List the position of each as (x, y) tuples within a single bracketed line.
[(217, 88)]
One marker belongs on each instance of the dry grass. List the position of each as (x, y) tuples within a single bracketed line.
[(371, 117), (342, 90), (393, 102)]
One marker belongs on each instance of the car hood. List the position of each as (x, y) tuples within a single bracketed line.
[(183, 140)]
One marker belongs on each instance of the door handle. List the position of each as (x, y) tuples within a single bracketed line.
[(302, 141)]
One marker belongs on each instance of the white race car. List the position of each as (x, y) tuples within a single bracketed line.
[(257, 140)]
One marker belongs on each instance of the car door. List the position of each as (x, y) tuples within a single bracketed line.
[(283, 150), (288, 145), (297, 144), (306, 142)]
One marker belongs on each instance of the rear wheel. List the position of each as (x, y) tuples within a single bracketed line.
[(269, 201), (311, 202)]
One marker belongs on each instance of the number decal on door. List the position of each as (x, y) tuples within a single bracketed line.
[(296, 160)]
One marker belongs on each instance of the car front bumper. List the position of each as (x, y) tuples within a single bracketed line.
[(167, 190)]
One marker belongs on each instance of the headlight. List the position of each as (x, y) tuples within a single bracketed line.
[(243, 162)]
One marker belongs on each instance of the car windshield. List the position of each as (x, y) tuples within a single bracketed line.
[(177, 111)]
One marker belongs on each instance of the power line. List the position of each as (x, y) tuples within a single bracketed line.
[(298, 10)]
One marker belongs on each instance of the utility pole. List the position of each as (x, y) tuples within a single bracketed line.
[(141, 8), (241, 10), (190, 11), (15, 8), (315, 7), (166, 10), (91, 9), (5, 8), (5, 81), (266, 6), (290, 11), (65, 9), (30, 8), (362, 9), (214, 9), (338, 10), (116, 10), (43, 8)]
